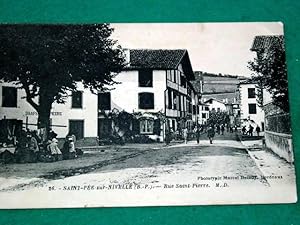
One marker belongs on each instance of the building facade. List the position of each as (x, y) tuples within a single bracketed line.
[(155, 86), (250, 111), (78, 115)]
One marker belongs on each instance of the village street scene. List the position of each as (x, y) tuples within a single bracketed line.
[(78, 109)]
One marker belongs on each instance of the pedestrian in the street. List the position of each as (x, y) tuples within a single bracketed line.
[(168, 137), (185, 135), (257, 130), (218, 128), (198, 131), (250, 131), (235, 128), (231, 129), (244, 130), (210, 134), (222, 129)]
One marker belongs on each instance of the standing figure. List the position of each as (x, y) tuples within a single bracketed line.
[(33, 147), (218, 128), (235, 128), (185, 135), (257, 130), (198, 134), (250, 131), (222, 129), (210, 134), (244, 130)]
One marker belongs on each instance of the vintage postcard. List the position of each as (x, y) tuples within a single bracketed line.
[(103, 115)]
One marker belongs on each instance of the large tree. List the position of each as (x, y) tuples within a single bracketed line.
[(271, 73), (47, 61)]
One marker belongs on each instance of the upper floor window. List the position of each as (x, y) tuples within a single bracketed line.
[(251, 92), (252, 108), (174, 75), (182, 81), (104, 101), (77, 99), (170, 101), (9, 97), (146, 100), (145, 78)]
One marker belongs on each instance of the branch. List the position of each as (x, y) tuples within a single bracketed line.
[(28, 96)]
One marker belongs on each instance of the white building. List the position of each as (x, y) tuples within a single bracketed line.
[(251, 113), (78, 114), (155, 85), (204, 113), (215, 105), (154, 82)]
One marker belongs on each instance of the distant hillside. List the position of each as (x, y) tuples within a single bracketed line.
[(223, 87)]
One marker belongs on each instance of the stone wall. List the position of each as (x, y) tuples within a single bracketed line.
[(281, 144)]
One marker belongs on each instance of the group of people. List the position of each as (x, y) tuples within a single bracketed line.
[(250, 130), (211, 131), (30, 147)]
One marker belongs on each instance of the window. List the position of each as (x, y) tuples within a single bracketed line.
[(206, 108), (194, 110), (252, 108), (145, 78), (174, 100), (203, 115), (174, 75), (146, 100), (251, 92), (76, 99), (104, 101), (146, 126), (9, 97), (182, 81), (169, 75), (169, 99)]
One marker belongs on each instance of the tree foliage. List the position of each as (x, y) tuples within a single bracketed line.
[(271, 73), (48, 60)]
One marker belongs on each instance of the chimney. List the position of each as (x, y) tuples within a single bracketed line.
[(127, 56)]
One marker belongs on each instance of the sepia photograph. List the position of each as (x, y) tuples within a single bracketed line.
[(144, 114)]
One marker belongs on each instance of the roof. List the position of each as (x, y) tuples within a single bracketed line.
[(163, 59), (267, 41), (214, 99), (228, 97)]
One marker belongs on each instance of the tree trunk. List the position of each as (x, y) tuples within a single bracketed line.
[(44, 109)]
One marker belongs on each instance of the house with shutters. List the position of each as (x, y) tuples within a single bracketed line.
[(155, 86), (78, 115), (251, 111)]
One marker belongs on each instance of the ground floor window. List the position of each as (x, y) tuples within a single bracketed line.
[(146, 126)]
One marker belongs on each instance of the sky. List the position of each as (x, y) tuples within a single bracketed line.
[(212, 47)]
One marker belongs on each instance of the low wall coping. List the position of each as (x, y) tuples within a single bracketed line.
[(279, 134)]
